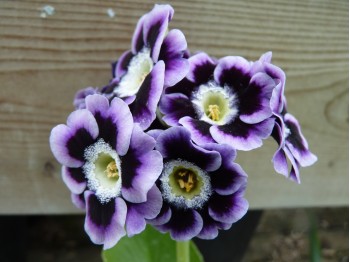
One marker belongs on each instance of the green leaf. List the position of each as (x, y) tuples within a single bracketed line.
[(149, 246)]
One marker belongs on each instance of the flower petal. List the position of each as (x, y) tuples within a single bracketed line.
[(78, 200), (74, 179), (175, 143), (122, 65), (163, 217), (233, 71), (155, 27), (137, 40), (255, 104), (121, 116), (297, 143), (137, 213), (104, 223), (227, 209), (79, 98), (173, 47), (201, 68), (183, 225), (210, 228), (243, 136), (140, 167), (199, 130), (185, 87), (69, 142), (145, 105), (266, 58), (174, 107)]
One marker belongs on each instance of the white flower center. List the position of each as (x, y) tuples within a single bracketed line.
[(139, 67), (214, 104), (185, 184), (102, 170)]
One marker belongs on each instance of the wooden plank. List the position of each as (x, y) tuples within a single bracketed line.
[(44, 61)]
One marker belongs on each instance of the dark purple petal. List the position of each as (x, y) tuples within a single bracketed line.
[(137, 40), (144, 107), (199, 130), (176, 67), (175, 143), (115, 121), (230, 177), (210, 228), (174, 107), (296, 142), (104, 223), (74, 179), (185, 87), (243, 136), (78, 200), (201, 68), (255, 103), (183, 225), (69, 142), (227, 209), (233, 71), (122, 65), (279, 159), (140, 167), (155, 27), (137, 213)]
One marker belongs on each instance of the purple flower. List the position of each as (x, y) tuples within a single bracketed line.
[(292, 146), (79, 98), (202, 187), (110, 166), (155, 60), (229, 101)]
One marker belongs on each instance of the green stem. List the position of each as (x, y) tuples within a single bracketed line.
[(183, 251)]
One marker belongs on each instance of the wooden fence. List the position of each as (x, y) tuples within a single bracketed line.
[(45, 58)]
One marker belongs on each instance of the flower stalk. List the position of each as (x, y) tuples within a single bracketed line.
[(182, 251)]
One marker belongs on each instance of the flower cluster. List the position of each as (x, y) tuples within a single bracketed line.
[(158, 143)]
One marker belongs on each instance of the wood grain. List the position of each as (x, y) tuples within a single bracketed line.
[(44, 61)]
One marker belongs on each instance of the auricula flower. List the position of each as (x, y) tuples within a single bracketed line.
[(110, 166), (156, 59), (292, 146), (202, 187), (225, 101)]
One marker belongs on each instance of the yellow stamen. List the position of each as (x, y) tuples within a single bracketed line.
[(112, 170), (186, 180), (214, 112)]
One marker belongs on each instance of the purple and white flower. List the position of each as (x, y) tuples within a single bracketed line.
[(110, 166), (292, 146), (156, 59), (202, 187), (228, 101)]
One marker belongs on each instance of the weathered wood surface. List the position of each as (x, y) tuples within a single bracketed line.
[(44, 61)]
